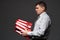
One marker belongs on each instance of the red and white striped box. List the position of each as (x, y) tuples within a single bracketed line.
[(21, 25)]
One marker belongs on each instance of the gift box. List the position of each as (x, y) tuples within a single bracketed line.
[(21, 25)]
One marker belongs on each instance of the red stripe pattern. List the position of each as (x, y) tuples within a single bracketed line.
[(21, 25)]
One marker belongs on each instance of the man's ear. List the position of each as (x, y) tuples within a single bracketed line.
[(43, 8)]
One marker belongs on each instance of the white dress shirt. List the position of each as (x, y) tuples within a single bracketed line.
[(40, 25)]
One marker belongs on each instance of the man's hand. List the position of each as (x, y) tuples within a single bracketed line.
[(25, 33)]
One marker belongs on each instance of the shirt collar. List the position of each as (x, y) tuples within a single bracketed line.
[(42, 14)]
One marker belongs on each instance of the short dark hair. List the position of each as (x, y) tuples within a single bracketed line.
[(42, 3)]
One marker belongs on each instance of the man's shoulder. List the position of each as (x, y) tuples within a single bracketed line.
[(45, 15)]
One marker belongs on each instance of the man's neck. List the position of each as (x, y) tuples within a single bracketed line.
[(41, 13)]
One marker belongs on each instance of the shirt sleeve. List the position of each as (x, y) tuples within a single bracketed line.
[(42, 27)]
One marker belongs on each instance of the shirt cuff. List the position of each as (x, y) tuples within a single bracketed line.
[(29, 33)]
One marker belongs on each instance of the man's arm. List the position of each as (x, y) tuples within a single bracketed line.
[(42, 25)]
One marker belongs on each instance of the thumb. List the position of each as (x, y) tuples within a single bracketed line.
[(25, 29)]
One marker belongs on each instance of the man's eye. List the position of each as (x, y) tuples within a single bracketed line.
[(36, 8)]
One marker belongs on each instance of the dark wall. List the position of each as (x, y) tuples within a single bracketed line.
[(10, 10)]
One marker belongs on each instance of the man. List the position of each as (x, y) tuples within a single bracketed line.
[(41, 24)]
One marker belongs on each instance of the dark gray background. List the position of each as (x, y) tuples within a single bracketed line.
[(10, 10)]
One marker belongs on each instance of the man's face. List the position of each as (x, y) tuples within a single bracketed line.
[(39, 9)]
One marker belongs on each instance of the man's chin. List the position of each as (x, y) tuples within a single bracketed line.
[(38, 13)]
